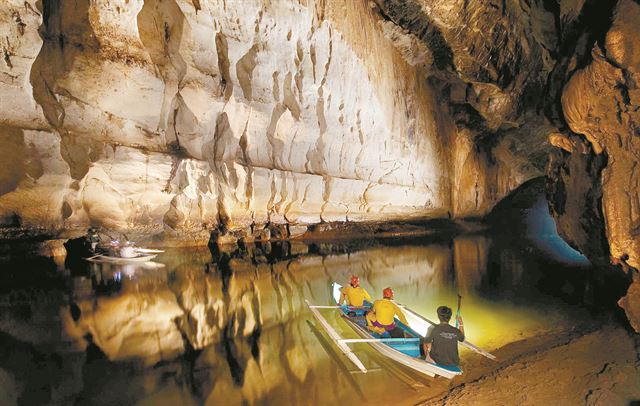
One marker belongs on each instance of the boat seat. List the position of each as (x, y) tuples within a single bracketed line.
[(376, 335), (355, 311), (410, 347), (360, 320), (406, 328)]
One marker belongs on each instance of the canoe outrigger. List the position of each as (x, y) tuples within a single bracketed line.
[(120, 260), (147, 251), (403, 350)]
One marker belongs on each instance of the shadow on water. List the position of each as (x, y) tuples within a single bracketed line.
[(229, 325)]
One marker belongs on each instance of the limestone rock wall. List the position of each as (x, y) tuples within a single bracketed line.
[(602, 103), (175, 115), (168, 117)]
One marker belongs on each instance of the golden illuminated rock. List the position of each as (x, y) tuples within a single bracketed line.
[(631, 305), (602, 102), (168, 117)]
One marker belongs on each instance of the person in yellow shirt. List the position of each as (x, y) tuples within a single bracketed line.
[(380, 318), (354, 294)]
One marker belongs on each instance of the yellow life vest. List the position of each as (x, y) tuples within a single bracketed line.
[(385, 309), (355, 296)]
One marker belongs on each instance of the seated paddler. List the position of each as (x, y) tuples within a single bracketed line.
[(441, 343), (380, 318), (354, 294)]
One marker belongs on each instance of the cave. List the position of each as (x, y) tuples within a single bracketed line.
[(184, 180)]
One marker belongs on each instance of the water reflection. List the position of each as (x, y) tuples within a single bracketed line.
[(214, 327)]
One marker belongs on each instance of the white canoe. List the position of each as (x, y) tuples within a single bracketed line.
[(121, 260), (420, 324), (390, 347)]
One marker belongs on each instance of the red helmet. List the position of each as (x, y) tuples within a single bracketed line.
[(355, 281), (387, 293)]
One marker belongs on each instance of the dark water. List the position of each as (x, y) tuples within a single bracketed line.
[(227, 329)]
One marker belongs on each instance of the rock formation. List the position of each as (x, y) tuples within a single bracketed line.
[(601, 102), (172, 116)]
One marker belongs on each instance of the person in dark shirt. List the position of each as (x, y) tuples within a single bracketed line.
[(93, 239), (441, 343)]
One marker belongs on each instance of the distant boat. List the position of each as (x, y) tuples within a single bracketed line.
[(121, 260), (403, 350)]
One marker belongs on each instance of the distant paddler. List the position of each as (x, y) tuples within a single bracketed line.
[(380, 318), (93, 239), (354, 294), (128, 251)]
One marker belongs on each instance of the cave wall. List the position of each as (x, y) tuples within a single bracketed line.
[(601, 103), (177, 115), (170, 116)]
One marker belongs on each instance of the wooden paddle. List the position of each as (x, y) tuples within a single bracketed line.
[(465, 343), (458, 312)]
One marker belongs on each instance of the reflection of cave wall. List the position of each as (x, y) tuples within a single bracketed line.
[(154, 313), (237, 326)]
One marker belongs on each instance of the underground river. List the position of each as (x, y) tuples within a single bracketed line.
[(196, 327)]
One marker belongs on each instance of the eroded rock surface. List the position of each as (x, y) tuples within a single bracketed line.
[(165, 115), (602, 103), (171, 116)]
